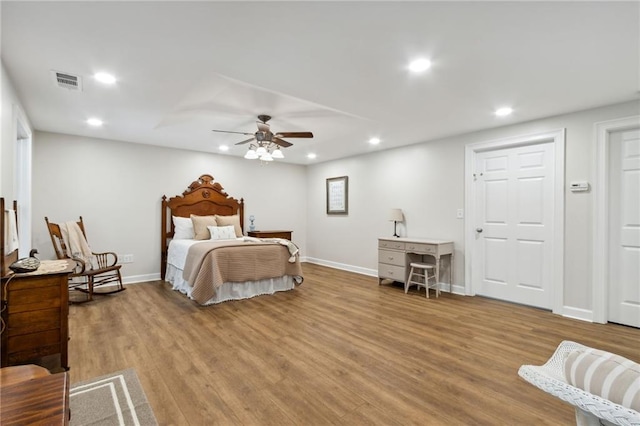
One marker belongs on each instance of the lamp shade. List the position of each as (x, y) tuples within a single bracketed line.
[(396, 215)]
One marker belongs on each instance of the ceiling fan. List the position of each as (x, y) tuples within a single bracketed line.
[(267, 144)]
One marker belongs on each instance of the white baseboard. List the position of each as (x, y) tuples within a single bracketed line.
[(577, 313), (133, 279), (342, 266), (456, 289)]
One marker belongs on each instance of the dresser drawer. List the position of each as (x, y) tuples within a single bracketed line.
[(420, 248), (391, 257), (394, 245), (392, 272)]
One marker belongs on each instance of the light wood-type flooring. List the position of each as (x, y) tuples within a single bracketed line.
[(337, 350)]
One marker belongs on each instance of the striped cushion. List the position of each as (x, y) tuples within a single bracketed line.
[(607, 375)]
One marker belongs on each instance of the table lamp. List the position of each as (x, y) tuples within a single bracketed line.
[(396, 216)]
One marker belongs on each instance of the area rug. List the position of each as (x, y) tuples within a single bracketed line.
[(114, 399)]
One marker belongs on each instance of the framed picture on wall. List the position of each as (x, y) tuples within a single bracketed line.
[(338, 195)]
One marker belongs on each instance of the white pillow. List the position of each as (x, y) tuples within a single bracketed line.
[(222, 232), (183, 228)]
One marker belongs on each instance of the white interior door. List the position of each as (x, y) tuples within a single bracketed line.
[(513, 250), (624, 228)]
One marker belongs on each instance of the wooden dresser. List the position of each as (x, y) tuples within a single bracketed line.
[(270, 234), (35, 314)]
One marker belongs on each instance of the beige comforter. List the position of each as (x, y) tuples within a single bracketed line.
[(210, 264)]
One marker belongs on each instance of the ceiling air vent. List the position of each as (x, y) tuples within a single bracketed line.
[(67, 80)]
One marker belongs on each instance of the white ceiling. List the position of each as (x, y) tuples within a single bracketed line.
[(338, 69)]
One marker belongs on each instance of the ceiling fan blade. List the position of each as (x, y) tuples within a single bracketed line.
[(243, 142), (281, 142), (228, 131), (294, 135), (262, 127)]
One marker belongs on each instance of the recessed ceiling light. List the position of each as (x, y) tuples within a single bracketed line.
[(223, 148), (503, 112), (96, 122), (420, 65), (374, 141), (105, 78), (311, 156)]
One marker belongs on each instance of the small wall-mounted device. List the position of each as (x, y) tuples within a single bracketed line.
[(579, 186)]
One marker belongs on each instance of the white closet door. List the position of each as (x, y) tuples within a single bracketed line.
[(624, 227), (514, 224)]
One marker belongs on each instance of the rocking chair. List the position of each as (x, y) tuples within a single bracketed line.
[(101, 269)]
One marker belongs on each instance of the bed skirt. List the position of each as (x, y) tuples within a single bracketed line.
[(231, 291)]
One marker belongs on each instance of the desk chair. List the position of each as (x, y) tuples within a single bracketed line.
[(420, 275)]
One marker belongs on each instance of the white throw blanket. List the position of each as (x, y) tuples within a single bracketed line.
[(77, 246), (11, 231), (293, 249)]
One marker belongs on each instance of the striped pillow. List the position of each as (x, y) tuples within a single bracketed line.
[(607, 375)]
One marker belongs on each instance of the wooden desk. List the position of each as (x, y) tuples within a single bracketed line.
[(270, 234), (36, 314), (33, 397), (395, 255)]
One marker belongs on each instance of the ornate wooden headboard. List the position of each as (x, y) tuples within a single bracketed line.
[(202, 198)]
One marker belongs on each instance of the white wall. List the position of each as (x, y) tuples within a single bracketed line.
[(427, 182), (10, 107), (114, 183), (117, 188)]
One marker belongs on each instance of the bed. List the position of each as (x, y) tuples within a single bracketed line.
[(220, 264)]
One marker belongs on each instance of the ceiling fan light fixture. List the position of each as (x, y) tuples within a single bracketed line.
[(266, 144), (251, 154), (277, 153)]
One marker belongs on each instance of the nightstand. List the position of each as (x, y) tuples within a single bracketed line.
[(270, 234)]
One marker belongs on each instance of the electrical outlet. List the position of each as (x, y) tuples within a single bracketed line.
[(460, 214), (126, 258)]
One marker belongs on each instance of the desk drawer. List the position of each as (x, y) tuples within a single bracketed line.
[(394, 245), (391, 257), (420, 248), (392, 272)]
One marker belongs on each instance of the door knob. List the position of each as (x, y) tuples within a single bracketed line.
[(478, 230)]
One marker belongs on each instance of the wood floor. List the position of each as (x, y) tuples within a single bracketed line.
[(339, 350)]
